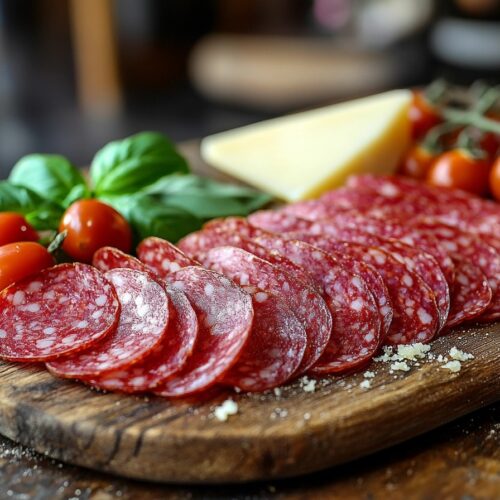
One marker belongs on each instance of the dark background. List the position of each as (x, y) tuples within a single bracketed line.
[(75, 74)]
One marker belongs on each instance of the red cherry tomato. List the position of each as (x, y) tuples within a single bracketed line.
[(423, 116), (417, 162), (495, 179), (90, 225), (459, 169), (20, 260), (13, 228), (490, 144)]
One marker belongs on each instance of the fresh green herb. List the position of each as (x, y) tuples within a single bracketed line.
[(40, 213), (143, 177), (205, 198), (52, 177), (126, 166)]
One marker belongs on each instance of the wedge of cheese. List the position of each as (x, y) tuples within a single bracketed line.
[(300, 156)]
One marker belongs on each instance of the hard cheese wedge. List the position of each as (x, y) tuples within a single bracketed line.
[(300, 156)]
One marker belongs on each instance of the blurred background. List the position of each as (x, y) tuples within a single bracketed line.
[(75, 74)]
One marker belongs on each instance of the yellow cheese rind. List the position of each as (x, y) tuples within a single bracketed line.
[(301, 156)]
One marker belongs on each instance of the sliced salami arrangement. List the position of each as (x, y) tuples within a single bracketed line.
[(314, 287)]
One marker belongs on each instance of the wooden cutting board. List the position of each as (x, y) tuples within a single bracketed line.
[(271, 436)]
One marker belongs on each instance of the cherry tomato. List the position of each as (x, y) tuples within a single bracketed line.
[(495, 179), (423, 116), (459, 169), (417, 162), (20, 260), (90, 225), (13, 228), (490, 144)]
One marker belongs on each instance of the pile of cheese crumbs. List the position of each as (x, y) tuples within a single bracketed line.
[(400, 359)]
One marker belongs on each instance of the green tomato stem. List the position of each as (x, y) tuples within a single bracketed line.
[(472, 118)]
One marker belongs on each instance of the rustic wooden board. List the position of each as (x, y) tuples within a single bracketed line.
[(271, 437), (156, 439)]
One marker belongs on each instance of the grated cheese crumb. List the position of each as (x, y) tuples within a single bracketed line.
[(454, 366), (307, 384), (459, 355), (366, 384), (227, 408), (369, 374), (400, 366), (307, 416), (277, 392), (413, 351)]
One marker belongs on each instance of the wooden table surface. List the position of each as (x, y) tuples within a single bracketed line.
[(458, 460)]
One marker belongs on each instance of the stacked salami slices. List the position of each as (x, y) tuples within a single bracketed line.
[(315, 287)]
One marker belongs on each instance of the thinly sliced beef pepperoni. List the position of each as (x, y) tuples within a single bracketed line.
[(168, 358), (142, 325), (162, 257), (356, 333), (357, 266), (60, 311), (415, 317), (275, 348), (471, 294), (246, 269), (225, 316)]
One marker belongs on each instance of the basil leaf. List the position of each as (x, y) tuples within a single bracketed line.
[(131, 164), (41, 214), (77, 193), (52, 177), (206, 198), (148, 217)]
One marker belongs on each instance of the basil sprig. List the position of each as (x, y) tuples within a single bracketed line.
[(142, 176)]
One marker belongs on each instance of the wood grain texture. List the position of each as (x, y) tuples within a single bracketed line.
[(180, 441)]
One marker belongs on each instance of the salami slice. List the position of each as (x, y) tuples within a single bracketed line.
[(275, 348), (367, 272), (415, 318), (60, 311), (142, 325), (107, 258), (198, 243), (246, 269), (471, 247), (225, 316), (162, 257), (356, 333), (471, 294), (278, 222), (168, 358), (417, 261)]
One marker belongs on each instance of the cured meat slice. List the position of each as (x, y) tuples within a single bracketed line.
[(162, 257), (198, 243), (278, 222), (225, 317), (60, 311), (415, 318), (274, 349), (382, 227), (107, 258), (246, 269), (356, 333), (367, 272), (168, 358), (471, 247), (142, 325), (417, 261), (471, 295)]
